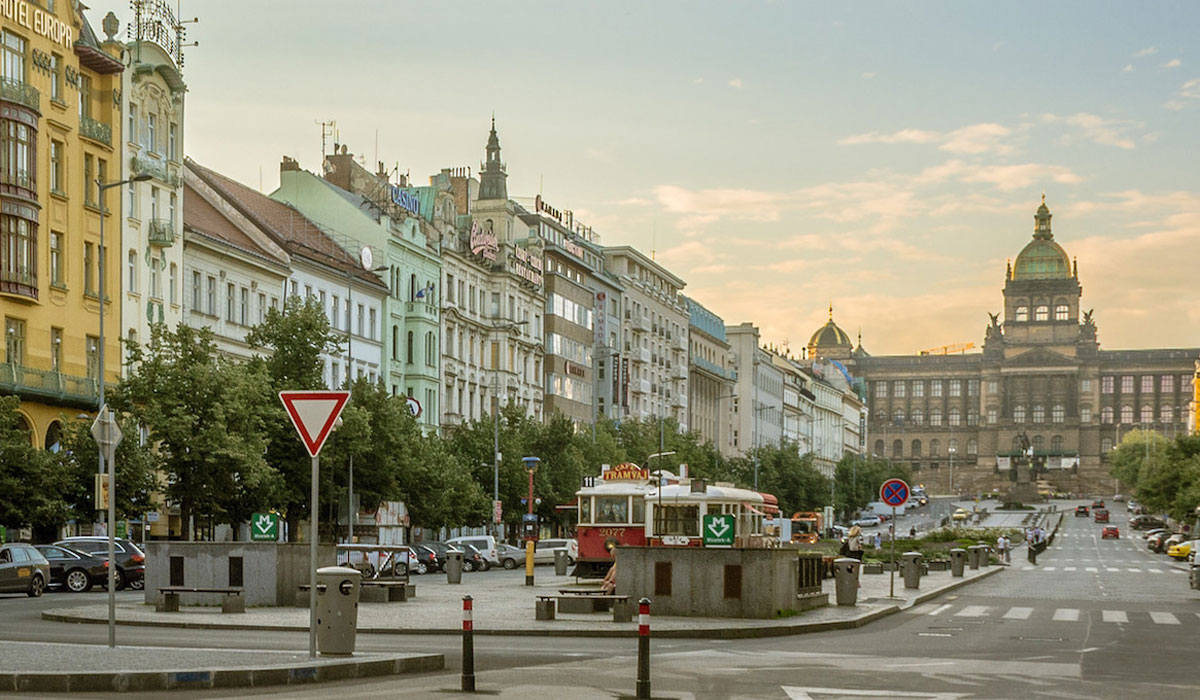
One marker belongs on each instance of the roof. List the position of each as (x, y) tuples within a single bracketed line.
[(202, 218), (1042, 259), (830, 336), (296, 234)]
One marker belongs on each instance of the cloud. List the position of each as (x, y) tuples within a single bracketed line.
[(1097, 129), (1128, 68), (902, 136), (697, 81), (597, 154), (736, 83), (1173, 63), (1145, 52), (868, 75), (1188, 92), (973, 139), (1012, 177), (634, 202)]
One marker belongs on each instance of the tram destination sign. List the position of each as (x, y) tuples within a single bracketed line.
[(717, 530)]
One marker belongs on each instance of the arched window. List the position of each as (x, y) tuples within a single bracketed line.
[(897, 448), (879, 448), (1166, 414), (410, 347), (1039, 414), (1127, 414), (898, 417), (955, 416), (1058, 413), (54, 437), (1061, 312), (1022, 313), (1106, 444), (972, 416), (918, 416), (952, 446), (1106, 414), (916, 448), (132, 267), (1147, 414), (972, 446), (1038, 443), (1041, 313), (935, 416), (935, 447), (1056, 443), (1018, 414)]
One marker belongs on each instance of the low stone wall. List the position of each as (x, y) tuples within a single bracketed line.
[(269, 572), (708, 582)]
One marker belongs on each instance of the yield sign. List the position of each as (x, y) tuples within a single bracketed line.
[(314, 413)]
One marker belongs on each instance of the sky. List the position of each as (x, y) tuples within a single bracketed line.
[(883, 157)]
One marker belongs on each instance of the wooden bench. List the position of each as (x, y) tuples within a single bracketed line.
[(548, 605), (232, 600)]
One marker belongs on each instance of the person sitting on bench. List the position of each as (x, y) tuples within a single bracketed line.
[(609, 584)]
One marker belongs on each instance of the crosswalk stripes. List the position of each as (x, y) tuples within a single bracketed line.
[(1066, 615), (973, 611), (1164, 618), (1092, 570), (1024, 613), (1068, 568), (1018, 613), (1114, 616), (941, 609)]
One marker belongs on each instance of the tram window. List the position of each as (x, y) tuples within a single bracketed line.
[(585, 510), (677, 520), (612, 509), (639, 510)]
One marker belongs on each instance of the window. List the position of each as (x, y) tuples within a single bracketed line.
[(56, 349), (1022, 313), (14, 57), (1019, 414), (56, 167), (916, 448), (56, 259), (450, 292), (14, 338), (935, 388), (229, 302), (171, 211), (360, 320), (172, 135), (1056, 443), (898, 417), (918, 417), (1039, 414), (993, 387), (409, 348), (131, 263), (155, 278), (879, 448), (152, 132), (918, 389), (1106, 415), (89, 274), (131, 205), (131, 127), (1166, 383), (972, 387), (1041, 313), (335, 374), (898, 389), (1085, 414), (935, 447), (897, 448), (935, 416), (1085, 386), (955, 387), (972, 416), (56, 68), (195, 290), (1127, 414), (244, 307), (1106, 444), (881, 390), (1147, 414), (677, 520), (1127, 384), (18, 143), (1166, 414), (92, 349), (955, 417), (1039, 442), (85, 96), (1147, 384), (172, 283), (371, 324), (993, 415), (1106, 385), (262, 307), (1061, 312), (89, 180), (212, 296), (1058, 414)]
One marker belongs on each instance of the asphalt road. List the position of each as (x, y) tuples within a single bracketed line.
[(1094, 619)]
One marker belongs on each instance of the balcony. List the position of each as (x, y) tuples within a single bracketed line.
[(22, 281), (157, 168), (44, 384), (680, 342), (680, 372), (94, 130), (639, 386), (640, 355), (640, 323), (679, 400), (162, 232), (21, 93), (421, 310)]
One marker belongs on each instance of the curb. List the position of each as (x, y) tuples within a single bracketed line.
[(707, 633), (136, 681)]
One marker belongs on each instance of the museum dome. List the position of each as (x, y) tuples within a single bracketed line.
[(829, 337), (1042, 258)]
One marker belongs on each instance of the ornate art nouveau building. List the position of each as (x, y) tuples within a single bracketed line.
[(1042, 381)]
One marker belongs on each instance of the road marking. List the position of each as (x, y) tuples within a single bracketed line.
[(1111, 569), (940, 609), (1068, 568), (1164, 618), (1048, 568), (1092, 570), (1114, 616), (973, 611), (1134, 571), (1155, 571), (1018, 613), (1066, 615)]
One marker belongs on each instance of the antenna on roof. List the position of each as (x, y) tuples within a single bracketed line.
[(328, 128)]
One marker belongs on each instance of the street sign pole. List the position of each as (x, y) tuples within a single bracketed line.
[(893, 492), (892, 583), (108, 435), (312, 559)]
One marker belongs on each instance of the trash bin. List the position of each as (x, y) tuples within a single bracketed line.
[(337, 609), (910, 564), (958, 559), (560, 562), (454, 567), (985, 551), (1194, 577), (845, 574), (973, 556)]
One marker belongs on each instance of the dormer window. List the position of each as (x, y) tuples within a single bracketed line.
[(1042, 313), (1061, 312), (1022, 313)]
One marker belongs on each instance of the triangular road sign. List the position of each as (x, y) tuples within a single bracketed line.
[(314, 413)]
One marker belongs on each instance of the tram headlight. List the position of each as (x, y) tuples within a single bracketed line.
[(610, 544)]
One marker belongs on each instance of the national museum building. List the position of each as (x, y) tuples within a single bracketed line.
[(1042, 393)]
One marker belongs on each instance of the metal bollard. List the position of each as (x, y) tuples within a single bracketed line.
[(643, 671), (468, 647)]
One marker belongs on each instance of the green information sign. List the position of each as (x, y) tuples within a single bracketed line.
[(122, 528), (717, 530), (264, 527)]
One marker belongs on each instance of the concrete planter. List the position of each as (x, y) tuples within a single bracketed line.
[(872, 568), (939, 565)]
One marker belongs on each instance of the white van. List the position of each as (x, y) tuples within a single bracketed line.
[(543, 551), (486, 544)]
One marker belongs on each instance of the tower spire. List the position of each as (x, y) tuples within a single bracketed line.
[(492, 175), (831, 311)]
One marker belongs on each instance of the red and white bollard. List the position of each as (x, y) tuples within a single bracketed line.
[(643, 670), (468, 647)]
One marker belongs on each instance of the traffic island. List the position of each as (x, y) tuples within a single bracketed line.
[(133, 669)]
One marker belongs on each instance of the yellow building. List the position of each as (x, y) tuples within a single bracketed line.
[(61, 119)]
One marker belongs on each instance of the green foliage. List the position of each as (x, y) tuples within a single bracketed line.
[(32, 483), (1164, 473), (857, 481), (79, 460)]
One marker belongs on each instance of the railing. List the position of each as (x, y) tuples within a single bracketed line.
[(24, 275), (95, 130), (157, 168), (811, 567), (420, 309), (21, 93), (713, 368), (162, 232), (17, 379)]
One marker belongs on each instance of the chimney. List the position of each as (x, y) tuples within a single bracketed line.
[(288, 164)]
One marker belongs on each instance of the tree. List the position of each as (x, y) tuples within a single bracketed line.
[(857, 481), (79, 459), (32, 483)]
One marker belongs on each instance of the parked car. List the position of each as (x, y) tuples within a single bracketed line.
[(1081, 511), (486, 544), (74, 570), (23, 569), (1155, 542), (131, 561), (868, 521), (1183, 550), (423, 561), (543, 551), (1100, 515), (1172, 541), (1145, 522), (473, 559), (1110, 531), (1119, 497), (510, 557), (960, 514), (1147, 534)]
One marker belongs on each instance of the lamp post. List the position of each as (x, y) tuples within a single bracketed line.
[(531, 465), (365, 257), (952, 450), (508, 328), (101, 188)]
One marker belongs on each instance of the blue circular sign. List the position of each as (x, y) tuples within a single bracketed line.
[(894, 492)]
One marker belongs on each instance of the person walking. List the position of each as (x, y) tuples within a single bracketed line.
[(854, 543), (1002, 548), (878, 541)]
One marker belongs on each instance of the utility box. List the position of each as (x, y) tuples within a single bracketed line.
[(560, 562), (337, 609)]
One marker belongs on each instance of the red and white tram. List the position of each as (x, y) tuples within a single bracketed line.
[(625, 506)]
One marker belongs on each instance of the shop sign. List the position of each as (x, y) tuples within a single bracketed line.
[(38, 21), (527, 267), (572, 369), (402, 198), (599, 320), (626, 471), (483, 242)]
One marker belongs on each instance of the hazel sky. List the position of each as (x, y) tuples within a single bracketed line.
[(885, 157)]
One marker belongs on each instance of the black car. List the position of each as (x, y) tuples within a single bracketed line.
[(441, 549), (131, 561), (1081, 511), (1145, 522), (74, 570), (424, 560), (473, 559)]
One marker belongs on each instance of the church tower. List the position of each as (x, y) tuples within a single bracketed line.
[(492, 175)]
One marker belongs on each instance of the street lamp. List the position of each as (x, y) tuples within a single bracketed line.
[(101, 188), (952, 450), (364, 254), (506, 327), (531, 465)]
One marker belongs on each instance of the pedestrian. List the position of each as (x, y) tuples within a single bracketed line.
[(912, 532), (854, 543), (878, 541), (1001, 548)]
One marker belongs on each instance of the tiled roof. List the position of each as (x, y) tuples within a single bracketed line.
[(297, 235), (203, 218)]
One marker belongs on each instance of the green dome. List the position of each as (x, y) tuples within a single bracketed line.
[(1042, 259), (830, 336)]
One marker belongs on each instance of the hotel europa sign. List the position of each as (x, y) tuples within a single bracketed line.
[(38, 21)]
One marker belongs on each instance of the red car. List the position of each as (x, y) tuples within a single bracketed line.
[(1110, 531), (1100, 515)]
